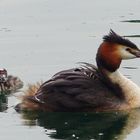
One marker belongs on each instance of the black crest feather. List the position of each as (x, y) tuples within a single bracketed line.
[(112, 37)]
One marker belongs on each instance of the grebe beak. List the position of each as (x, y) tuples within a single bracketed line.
[(137, 53)]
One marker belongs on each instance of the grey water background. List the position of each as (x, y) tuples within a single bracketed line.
[(41, 37)]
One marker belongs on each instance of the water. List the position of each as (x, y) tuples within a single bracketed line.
[(40, 37)]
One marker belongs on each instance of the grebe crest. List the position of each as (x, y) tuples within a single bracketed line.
[(113, 50)]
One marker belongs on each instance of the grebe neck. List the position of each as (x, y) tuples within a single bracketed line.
[(129, 90)]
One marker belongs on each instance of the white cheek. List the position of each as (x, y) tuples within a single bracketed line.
[(126, 55)]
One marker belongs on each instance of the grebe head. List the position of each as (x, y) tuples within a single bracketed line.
[(113, 50)]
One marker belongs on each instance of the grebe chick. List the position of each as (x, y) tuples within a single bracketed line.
[(9, 83), (14, 83), (89, 88)]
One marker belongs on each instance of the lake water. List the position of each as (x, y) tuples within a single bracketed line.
[(41, 37)]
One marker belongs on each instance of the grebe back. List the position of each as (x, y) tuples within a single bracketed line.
[(88, 88)]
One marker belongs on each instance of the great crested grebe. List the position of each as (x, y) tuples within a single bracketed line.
[(88, 88)]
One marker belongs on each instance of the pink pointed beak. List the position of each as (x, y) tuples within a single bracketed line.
[(137, 53)]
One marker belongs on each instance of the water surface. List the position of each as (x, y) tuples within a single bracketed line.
[(40, 37)]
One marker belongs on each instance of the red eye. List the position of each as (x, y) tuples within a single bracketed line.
[(128, 49)]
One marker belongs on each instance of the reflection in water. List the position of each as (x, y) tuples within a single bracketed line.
[(8, 84), (132, 36), (3, 102), (11, 85), (130, 67), (132, 21), (85, 126)]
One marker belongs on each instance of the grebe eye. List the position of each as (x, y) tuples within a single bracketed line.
[(128, 49)]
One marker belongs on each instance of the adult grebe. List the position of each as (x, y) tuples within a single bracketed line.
[(89, 88)]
